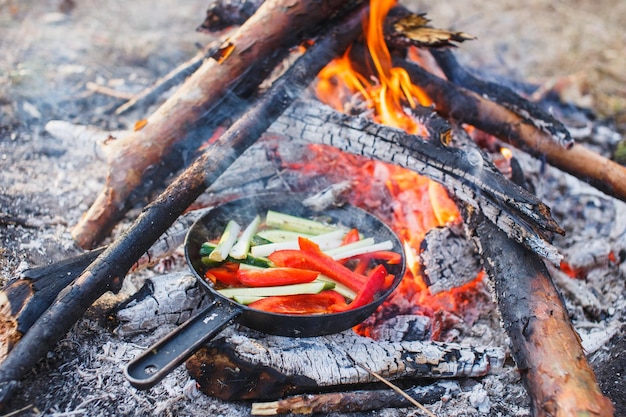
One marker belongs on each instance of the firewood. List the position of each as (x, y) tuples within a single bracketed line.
[(274, 366), (504, 96), (352, 401), (545, 345), (245, 62), (469, 107), (466, 174), (117, 259), (448, 259)]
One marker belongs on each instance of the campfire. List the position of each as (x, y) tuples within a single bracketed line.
[(392, 124)]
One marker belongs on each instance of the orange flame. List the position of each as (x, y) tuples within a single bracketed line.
[(389, 94), (411, 204)]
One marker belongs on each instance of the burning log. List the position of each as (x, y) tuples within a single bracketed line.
[(244, 63), (464, 172), (468, 107), (448, 259), (274, 366), (361, 400), (156, 218), (545, 345)]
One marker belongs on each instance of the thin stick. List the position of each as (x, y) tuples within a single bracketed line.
[(395, 388)]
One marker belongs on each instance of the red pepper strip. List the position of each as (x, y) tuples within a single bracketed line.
[(301, 304), (376, 281), (361, 266), (269, 277), (351, 237), (311, 257), (225, 274)]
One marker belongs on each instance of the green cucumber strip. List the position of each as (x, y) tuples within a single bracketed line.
[(385, 245), (246, 299), (296, 224), (339, 287), (368, 241), (208, 247), (279, 235), (241, 248), (308, 288), (226, 242), (325, 241)]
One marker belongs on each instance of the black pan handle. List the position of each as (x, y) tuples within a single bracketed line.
[(157, 361)]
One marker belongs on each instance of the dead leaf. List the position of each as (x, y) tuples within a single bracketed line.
[(414, 30)]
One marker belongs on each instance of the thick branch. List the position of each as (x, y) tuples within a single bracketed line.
[(158, 216), (468, 107), (504, 96), (545, 345), (274, 366), (465, 173), (246, 60)]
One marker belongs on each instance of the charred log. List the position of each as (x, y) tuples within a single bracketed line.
[(465, 173), (448, 259), (504, 96), (465, 106), (156, 218), (274, 366)]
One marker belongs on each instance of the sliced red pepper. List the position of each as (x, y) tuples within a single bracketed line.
[(225, 274), (351, 237), (269, 277), (311, 257), (376, 281), (301, 304)]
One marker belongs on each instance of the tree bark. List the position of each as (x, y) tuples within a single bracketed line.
[(248, 57), (349, 402), (468, 107), (159, 215), (274, 366), (545, 345)]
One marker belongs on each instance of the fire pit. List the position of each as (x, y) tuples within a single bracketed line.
[(459, 315)]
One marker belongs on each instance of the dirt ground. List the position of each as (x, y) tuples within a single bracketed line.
[(53, 52)]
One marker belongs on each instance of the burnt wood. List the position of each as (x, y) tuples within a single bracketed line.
[(466, 173), (448, 259), (250, 365), (359, 400), (464, 106), (119, 257), (502, 95)]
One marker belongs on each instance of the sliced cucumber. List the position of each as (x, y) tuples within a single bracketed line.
[(208, 247), (296, 224), (246, 299), (226, 242), (279, 235), (308, 288), (241, 248)]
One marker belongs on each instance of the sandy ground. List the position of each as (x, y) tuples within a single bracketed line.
[(51, 50)]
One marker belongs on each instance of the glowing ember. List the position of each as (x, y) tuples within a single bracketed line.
[(412, 205)]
